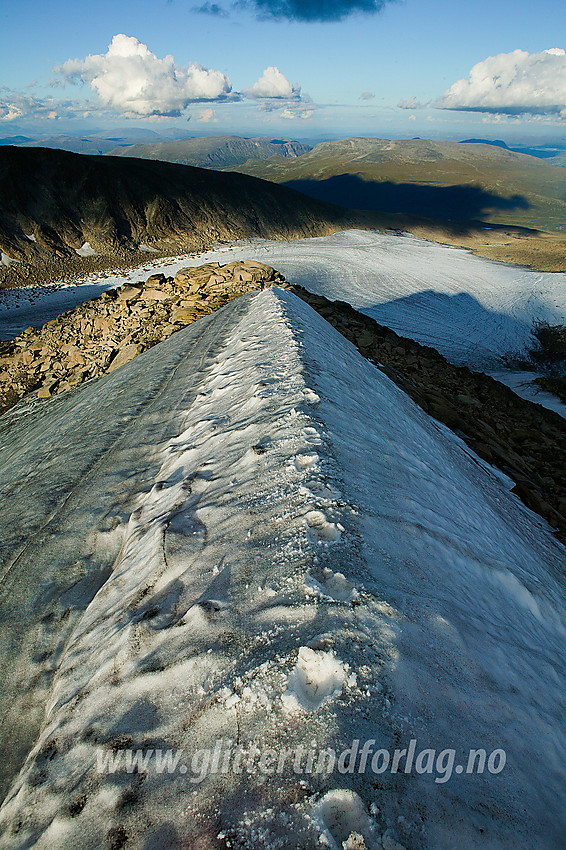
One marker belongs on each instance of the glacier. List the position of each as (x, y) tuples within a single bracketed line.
[(476, 312), (249, 535)]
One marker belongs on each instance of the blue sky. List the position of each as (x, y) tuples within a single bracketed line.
[(401, 71)]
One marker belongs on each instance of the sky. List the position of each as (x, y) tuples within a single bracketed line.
[(305, 69)]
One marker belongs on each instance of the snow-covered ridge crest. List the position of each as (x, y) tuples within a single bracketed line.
[(229, 518), (316, 560)]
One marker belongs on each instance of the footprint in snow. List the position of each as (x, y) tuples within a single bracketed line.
[(324, 490), (267, 388), (303, 462), (330, 586), (312, 436), (310, 396), (344, 822), (320, 530), (316, 678)]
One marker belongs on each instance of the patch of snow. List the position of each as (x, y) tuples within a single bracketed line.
[(5, 260), (303, 462), (320, 530), (147, 248), (523, 384), (85, 250), (341, 816), (316, 678), (331, 586)]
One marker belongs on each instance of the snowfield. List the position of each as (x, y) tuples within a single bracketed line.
[(248, 537), (474, 311)]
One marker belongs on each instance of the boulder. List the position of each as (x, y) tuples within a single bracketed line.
[(183, 277), (155, 295), (124, 356), (128, 292), (183, 315), (156, 279)]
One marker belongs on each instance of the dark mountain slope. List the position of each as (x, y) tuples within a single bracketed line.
[(52, 202)]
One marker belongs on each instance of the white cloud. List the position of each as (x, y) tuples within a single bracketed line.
[(15, 106), (10, 111), (513, 83), (273, 84), (133, 80), (206, 115), (294, 114), (411, 103)]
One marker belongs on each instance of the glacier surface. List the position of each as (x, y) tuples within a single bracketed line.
[(474, 311), (249, 535)]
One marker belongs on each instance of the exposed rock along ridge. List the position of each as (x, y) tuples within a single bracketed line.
[(103, 334)]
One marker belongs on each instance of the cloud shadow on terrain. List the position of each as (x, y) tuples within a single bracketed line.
[(459, 203)]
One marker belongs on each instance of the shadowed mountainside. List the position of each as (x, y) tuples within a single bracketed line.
[(458, 203), (494, 173), (53, 202)]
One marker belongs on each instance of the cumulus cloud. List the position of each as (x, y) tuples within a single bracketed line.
[(274, 93), (16, 106), (273, 84), (133, 80), (513, 83), (313, 10), (410, 103)]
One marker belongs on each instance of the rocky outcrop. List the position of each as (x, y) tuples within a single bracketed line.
[(214, 151), (105, 333)]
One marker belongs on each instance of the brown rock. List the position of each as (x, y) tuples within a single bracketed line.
[(155, 279), (128, 292), (124, 356), (183, 277), (155, 295), (183, 315), (101, 324)]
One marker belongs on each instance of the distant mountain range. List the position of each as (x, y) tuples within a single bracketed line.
[(99, 142), (556, 155), (498, 143), (454, 181), (216, 151), (53, 202)]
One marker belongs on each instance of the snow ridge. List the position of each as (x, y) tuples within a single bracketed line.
[(142, 650), (316, 562)]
